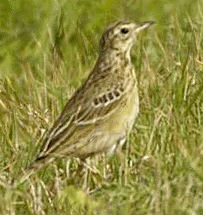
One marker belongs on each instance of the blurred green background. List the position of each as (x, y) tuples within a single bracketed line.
[(47, 49)]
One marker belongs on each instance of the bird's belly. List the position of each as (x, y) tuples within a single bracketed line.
[(124, 117), (133, 110), (121, 127)]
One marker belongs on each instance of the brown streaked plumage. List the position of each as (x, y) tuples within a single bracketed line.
[(101, 113)]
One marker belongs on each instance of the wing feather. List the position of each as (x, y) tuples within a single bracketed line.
[(83, 109)]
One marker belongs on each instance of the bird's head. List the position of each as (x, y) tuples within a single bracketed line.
[(122, 35)]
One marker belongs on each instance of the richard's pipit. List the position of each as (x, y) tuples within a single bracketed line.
[(101, 113)]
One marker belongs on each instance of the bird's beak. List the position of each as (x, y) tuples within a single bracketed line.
[(143, 25)]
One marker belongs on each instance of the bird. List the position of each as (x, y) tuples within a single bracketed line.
[(101, 113)]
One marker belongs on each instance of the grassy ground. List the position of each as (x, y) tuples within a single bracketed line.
[(47, 49)]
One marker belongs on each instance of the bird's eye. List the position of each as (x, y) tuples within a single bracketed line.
[(124, 30)]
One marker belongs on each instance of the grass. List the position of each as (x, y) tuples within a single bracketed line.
[(47, 50)]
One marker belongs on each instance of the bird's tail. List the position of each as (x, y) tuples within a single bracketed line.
[(31, 169)]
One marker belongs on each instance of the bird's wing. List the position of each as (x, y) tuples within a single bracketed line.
[(93, 102), (89, 104)]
